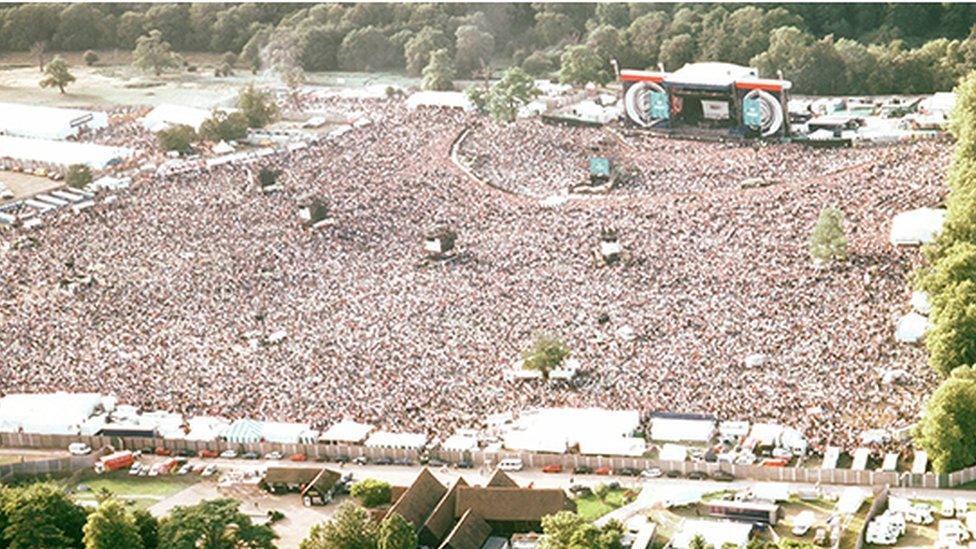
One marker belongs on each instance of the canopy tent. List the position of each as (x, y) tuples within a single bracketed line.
[(22, 120), (223, 148), (850, 500), (771, 491), (443, 99), (243, 431), (919, 226), (831, 457), (911, 328), (164, 116), (406, 441), (861, 456), (613, 446), (890, 463), (47, 413), (920, 463), (287, 433), (61, 153), (673, 452), (346, 432), (678, 428), (558, 429), (206, 428), (714, 533), (461, 442)]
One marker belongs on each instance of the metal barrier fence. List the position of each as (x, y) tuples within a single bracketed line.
[(567, 461)]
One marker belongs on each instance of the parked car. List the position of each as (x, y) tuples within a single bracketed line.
[(79, 449), (160, 451), (437, 462), (403, 461), (134, 470), (775, 462), (652, 472), (209, 470), (554, 468), (673, 473), (185, 470), (580, 490), (342, 459), (198, 468), (274, 456), (228, 454), (250, 455), (510, 464), (582, 470), (697, 475), (948, 509), (298, 457), (361, 460), (723, 476), (464, 464), (603, 471), (628, 472), (185, 452), (383, 461), (205, 453)]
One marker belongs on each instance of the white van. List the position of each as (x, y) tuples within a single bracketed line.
[(948, 509), (79, 449), (510, 464), (962, 507)]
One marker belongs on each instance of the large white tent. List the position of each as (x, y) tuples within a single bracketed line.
[(164, 116), (47, 413), (919, 226), (61, 153), (404, 441), (557, 429), (21, 120), (682, 428), (346, 432)]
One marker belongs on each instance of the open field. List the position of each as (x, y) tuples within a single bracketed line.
[(143, 491), (591, 507)]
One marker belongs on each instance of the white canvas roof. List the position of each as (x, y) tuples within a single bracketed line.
[(920, 463), (61, 153), (616, 446), (711, 74), (851, 500), (347, 431), (919, 226), (860, 459), (766, 433), (831, 457), (733, 428), (47, 413), (164, 116), (22, 120), (890, 463), (679, 429), (460, 442), (206, 428), (911, 327), (771, 491), (386, 439), (243, 431), (286, 433), (673, 452), (556, 429), (448, 99)]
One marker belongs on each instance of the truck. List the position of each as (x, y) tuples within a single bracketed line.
[(115, 461)]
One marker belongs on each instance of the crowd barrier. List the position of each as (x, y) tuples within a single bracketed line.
[(531, 460)]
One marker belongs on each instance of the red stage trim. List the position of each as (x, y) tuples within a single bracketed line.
[(641, 76)]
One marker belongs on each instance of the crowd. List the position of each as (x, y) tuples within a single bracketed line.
[(193, 271)]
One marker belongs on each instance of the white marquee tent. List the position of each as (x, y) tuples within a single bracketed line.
[(346, 432), (164, 116), (557, 429), (406, 441), (21, 120), (61, 153), (675, 429), (47, 413)]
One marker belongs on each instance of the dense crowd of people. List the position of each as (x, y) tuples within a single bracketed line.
[(193, 273)]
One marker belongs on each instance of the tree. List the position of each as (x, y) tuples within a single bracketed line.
[(257, 106), (81, 26), (952, 340), (438, 74), (677, 51), (697, 542), (608, 44), (176, 138), (110, 527), (78, 176), (148, 528), (545, 354), (538, 63), (154, 53), (90, 58), (473, 49), (56, 74), (224, 126), (567, 530), (251, 52), (514, 90), (42, 515), (646, 34), (365, 49), (349, 528), (827, 242), (420, 46), (947, 430), (956, 265), (37, 52), (371, 492), (601, 491), (320, 48), (213, 524), (396, 533), (580, 65)]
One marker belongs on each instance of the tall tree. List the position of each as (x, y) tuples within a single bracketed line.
[(438, 74), (110, 527), (473, 49), (581, 65), (148, 528), (827, 242), (57, 75), (42, 515), (257, 106), (513, 91), (947, 430), (418, 49), (349, 528), (154, 53), (952, 340), (396, 533), (214, 524), (365, 49)]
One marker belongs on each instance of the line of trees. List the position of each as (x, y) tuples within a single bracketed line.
[(823, 48), (948, 429)]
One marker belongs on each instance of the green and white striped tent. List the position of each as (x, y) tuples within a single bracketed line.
[(244, 431)]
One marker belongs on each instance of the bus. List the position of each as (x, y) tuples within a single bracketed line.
[(747, 511)]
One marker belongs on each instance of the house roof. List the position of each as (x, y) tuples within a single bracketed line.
[(512, 504), (501, 480), (469, 533), (420, 499), (441, 519), (321, 478)]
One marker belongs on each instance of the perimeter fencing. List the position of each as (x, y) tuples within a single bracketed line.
[(320, 451), (54, 466)]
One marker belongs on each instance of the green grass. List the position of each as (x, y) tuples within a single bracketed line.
[(144, 491), (591, 508)]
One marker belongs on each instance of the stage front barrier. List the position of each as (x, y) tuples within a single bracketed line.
[(479, 458)]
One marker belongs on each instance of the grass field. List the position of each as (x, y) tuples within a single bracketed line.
[(143, 491), (591, 508)]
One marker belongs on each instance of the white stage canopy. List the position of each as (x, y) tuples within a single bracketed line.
[(20, 120), (164, 116), (61, 153), (346, 432), (911, 328), (557, 429)]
